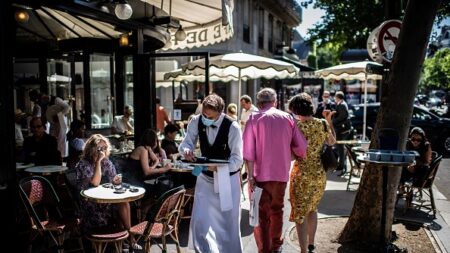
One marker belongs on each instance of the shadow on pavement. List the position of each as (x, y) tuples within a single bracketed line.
[(337, 202), (246, 229)]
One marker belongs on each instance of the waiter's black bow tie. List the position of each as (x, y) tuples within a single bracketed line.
[(213, 126)]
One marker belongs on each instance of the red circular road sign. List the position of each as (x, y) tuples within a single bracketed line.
[(387, 38)]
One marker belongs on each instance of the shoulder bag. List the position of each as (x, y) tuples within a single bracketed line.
[(328, 156)]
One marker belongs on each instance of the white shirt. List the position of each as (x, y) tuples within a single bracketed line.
[(234, 139), (246, 114), (18, 133), (119, 124)]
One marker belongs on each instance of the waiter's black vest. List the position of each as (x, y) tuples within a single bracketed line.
[(220, 148)]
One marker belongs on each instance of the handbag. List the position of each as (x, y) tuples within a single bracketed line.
[(328, 156)]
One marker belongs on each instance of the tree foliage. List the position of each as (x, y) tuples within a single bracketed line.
[(327, 56), (436, 72), (347, 23)]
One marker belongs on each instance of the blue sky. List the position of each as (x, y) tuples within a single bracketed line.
[(312, 16)]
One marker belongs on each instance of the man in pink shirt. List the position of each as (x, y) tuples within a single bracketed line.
[(270, 137)]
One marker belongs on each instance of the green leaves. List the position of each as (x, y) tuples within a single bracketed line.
[(347, 23), (436, 71)]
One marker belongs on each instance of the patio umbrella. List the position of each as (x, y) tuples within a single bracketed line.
[(179, 75), (351, 71), (241, 66)]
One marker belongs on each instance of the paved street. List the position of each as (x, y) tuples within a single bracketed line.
[(442, 180), (338, 202)]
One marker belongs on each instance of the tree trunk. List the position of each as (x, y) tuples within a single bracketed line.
[(396, 110)]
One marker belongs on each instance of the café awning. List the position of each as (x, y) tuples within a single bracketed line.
[(205, 22), (46, 23)]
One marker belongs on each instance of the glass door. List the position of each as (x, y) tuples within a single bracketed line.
[(101, 76)]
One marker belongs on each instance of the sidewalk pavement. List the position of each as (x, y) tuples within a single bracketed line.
[(336, 202)]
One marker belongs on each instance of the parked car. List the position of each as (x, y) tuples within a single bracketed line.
[(436, 128), (439, 94)]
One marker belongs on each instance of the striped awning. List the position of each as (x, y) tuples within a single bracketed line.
[(205, 22)]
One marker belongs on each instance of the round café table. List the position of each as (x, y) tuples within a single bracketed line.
[(182, 169), (47, 170), (102, 194), (22, 166)]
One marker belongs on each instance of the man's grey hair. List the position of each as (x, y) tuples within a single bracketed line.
[(265, 96)]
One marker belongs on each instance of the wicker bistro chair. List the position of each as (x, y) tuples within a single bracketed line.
[(162, 220), (186, 205), (43, 207), (356, 168), (416, 189), (102, 236)]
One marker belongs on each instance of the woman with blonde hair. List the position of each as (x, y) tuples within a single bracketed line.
[(232, 111), (94, 169)]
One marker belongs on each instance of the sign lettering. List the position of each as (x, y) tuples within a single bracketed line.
[(214, 33)]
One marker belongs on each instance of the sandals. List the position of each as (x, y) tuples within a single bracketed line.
[(311, 248), (137, 246)]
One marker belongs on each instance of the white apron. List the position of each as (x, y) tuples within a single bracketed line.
[(211, 230)]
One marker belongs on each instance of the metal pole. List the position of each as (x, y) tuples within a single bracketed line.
[(239, 93), (365, 108)]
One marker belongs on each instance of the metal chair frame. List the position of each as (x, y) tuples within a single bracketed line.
[(416, 190), (47, 222), (165, 215), (355, 168)]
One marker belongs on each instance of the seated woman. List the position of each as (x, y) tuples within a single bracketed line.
[(94, 169), (75, 138), (145, 159), (417, 142), (143, 164)]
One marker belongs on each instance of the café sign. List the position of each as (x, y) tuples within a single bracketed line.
[(198, 37)]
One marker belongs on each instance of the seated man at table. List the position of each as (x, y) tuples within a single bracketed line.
[(123, 124), (168, 143), (40, 148)]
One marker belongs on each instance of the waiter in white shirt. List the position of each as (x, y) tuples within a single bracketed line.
[(215, 228)]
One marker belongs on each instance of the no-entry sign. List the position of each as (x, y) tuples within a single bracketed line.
[(388, 37)]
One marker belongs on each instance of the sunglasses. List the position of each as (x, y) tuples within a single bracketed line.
[(102, 148), (416, 139)]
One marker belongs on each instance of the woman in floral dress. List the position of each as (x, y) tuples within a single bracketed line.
[(94, 169), (308, 178)]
